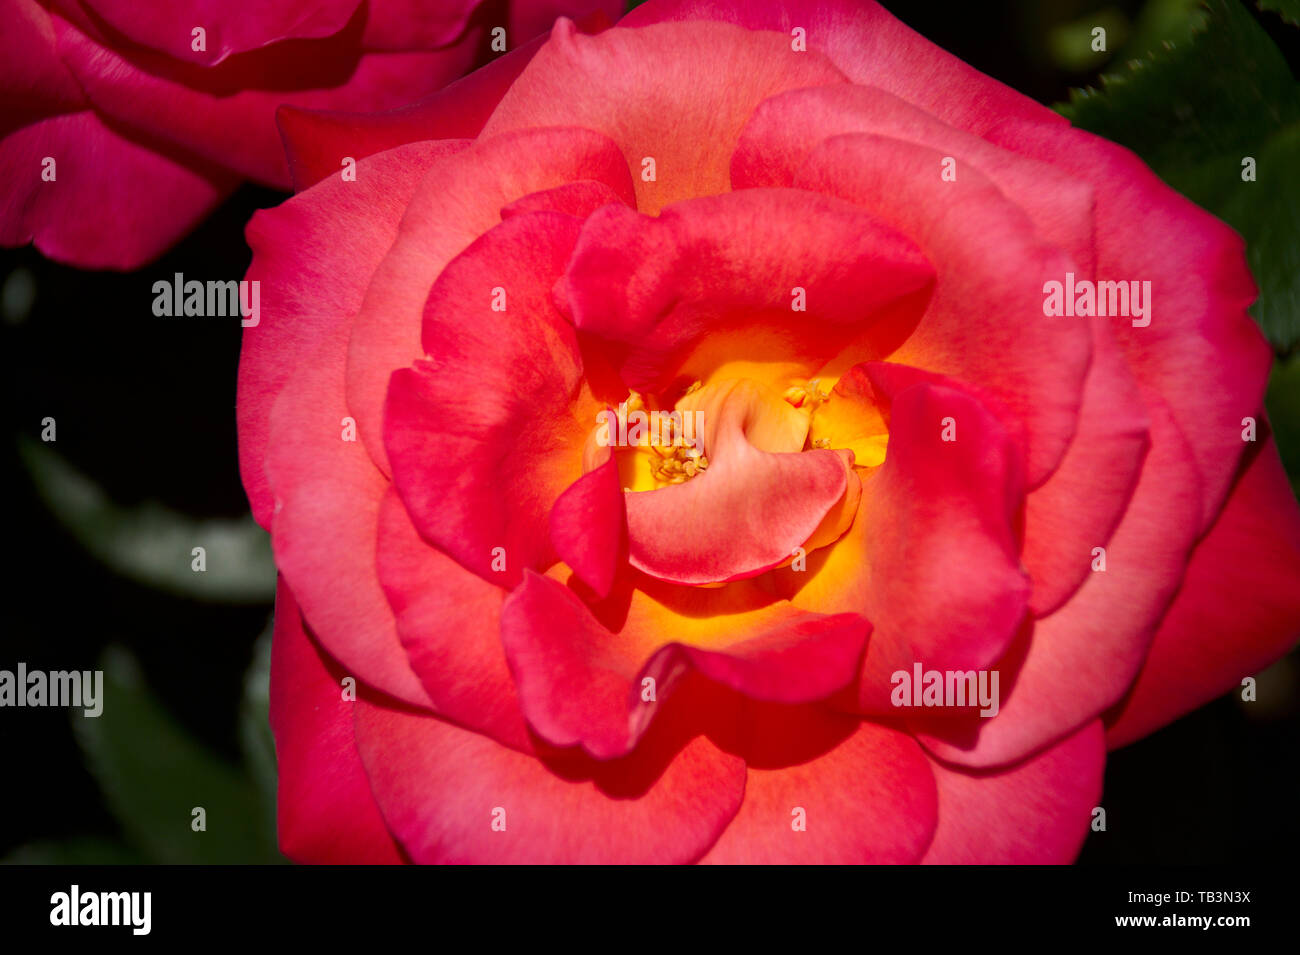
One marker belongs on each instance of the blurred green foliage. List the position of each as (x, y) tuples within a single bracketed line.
[(154, 774), (1071, 45), (1283, 402), (1211, 98), (1289, 10), (151, 543)]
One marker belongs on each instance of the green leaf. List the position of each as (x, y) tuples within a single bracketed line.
[(1194, 112), (154, 774), (1269, 218), (153, 544)]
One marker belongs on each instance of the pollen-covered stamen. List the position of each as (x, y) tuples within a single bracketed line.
[(669, 443), (676, 465), (807, 397), (676, 456)]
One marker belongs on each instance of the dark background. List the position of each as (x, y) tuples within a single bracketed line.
[(145, 408)]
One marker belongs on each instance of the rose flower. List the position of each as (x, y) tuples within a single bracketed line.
[(524, 616), (123, 123)]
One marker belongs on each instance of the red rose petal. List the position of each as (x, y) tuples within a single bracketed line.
[(104, 184), (316, 140), (872, 48), (325, 811), (480, 435), (653, 287), (227, 29), (866, 797), (1083, 657), (449, 623), (932, 557), (33, 80), (1080, 505), (457, 202), (555, 643), (1238, 609), (580, 199), (313, 257), (989, 264), (678, 93), (589, 527), (327, 493), (441, 788), (1035, 813), (786, 128), (226, 114)]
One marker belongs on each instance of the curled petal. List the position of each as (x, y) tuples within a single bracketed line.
[(748, 512), (480, 433), (456, 203), (774, 276), (589, 527), (932, 558), (555, 643)]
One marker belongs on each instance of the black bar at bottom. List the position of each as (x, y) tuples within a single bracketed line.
[(335, 905)]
